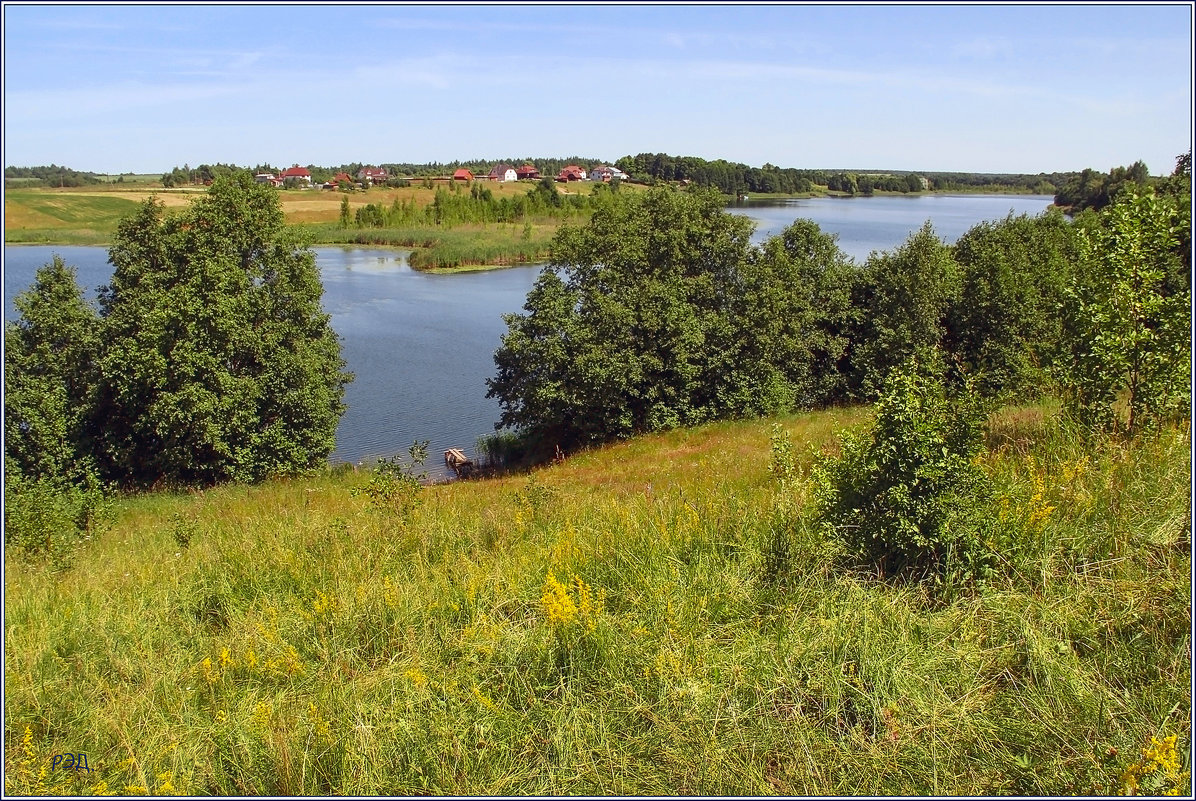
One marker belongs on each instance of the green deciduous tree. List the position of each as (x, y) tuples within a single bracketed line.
[(788, 334), (1004, 325), (1127, 317), (620, 336), (49, 378), (902, 299), (219, 362), (52, 495)]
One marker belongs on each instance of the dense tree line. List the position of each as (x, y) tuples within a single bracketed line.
[(203, 174), (1040, 184), (1090, 189), (458, 205), (1094, 190), (867, 183), (734, 178), (729, 178), (660, 313), (52, 175)]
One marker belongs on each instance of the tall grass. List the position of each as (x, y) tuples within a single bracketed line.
[(610, 625), (443, 249)]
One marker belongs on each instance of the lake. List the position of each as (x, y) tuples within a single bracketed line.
[(865, 224), (421, 346)]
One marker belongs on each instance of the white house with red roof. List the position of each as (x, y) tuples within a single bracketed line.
[(297, 172)]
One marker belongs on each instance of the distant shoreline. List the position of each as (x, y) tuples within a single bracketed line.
[(96, 220)]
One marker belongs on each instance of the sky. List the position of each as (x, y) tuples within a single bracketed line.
[(996, 88)]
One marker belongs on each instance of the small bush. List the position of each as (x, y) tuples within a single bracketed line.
[(183, 529), (778, 547), (47, 520), (906, 497), (395, 487), (503, 449)]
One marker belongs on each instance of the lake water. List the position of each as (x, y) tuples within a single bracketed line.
[(865, 224), (422, 346)]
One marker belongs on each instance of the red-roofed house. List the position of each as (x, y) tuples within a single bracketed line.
[(372, 175), (339, 179), (527, 173), (572, 173), (462, 175), (297, 172)]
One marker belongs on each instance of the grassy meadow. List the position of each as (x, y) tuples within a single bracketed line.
[(652, 617)]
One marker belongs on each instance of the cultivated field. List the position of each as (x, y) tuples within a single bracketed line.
[(88, 215)]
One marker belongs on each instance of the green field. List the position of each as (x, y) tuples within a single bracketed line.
[(647, 618), (89, 216), (35, 216)]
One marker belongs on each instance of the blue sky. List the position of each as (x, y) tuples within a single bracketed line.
[(983, 88)]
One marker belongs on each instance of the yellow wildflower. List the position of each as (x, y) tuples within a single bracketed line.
[(165, 784), (417, 677), (319, 726), (483, 699), (291, 662), (261, 715), (1159, 767), (559, 608)]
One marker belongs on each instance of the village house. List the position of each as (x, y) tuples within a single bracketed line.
[(572, 173), (298, 173), (463, 175), (338, 180), (373, 175), (503, 172), (267, 178), (607, 174), (527, 173)]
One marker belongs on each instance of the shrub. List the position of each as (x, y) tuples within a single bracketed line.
[(904, 496), (502, 449), (47, 519), (395, 488)]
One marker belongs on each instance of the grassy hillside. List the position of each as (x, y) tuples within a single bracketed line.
[(622, 623)]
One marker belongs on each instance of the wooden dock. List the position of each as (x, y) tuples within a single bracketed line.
[(458, 462)]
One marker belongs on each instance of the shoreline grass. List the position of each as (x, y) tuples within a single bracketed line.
[(608, 625)]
